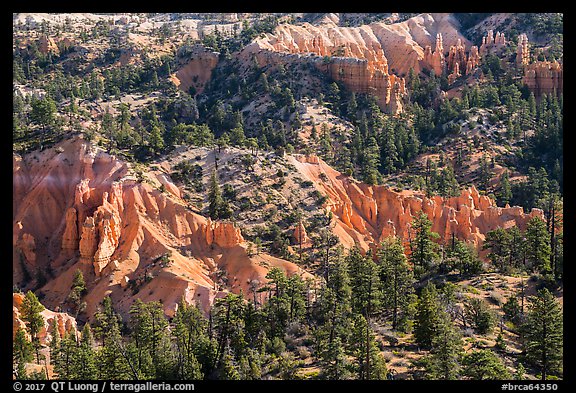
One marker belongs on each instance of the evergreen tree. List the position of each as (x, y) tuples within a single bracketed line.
[(218, 207), (364, 282), (43, 111), (85, 360), (30, 311), (543, 334), (422, 245), (498, 241), (21, 353), (77, 291), (189, 330), (446, 351), (428, 316), (538, 246), (370, 161), (504, 193), (396, 278), (479, 315), (369, 364), (484, 364)]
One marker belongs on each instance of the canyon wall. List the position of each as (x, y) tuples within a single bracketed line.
[(371, 58), (544, 77), (197, 71), (366, 214), (77, 207)]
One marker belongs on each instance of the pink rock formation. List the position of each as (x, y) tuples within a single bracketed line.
[(457, 55), (544, 77), (455, 74), (70, 237), (371, 58), (522, 51), (435, 60), (299, 235), (196, 72), (365, 214), (124, 228), (473, 60), (491, 44), (223, 234)]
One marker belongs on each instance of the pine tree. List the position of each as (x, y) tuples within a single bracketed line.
[(498, 241), (428, 316), (520, 371), (77, 291), (364, 282), (85, 360), (422, 245), (396, 278), (504, 194), (335, 362), (446, 351), (543, 334), (21, 353), (538, 246), (218, 207), (370, 161), (479, 315), (30, 311), (484, 364), (370, 364), (189, 329)]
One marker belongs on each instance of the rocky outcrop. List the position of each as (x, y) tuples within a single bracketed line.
[(70, 237), (64, 322), (371, 58), (197, 71), (457, 56), (435, 60), (366, 214), (522, 51), (223, 234), (133, 239), (455, 74), (492, 44), (473, 60), (299, 236), (544, 77), (47, 44)]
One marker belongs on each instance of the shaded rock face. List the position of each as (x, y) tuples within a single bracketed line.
[(367, 214), (196, 72), (544, 77), (76, 207)]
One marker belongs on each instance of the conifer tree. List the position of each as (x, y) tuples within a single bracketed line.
[(484, 364), (543, 334), (538, 246), (446, 351), (422, 244), (30, 310), (21, 353), (428, 316), (396, 278)]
